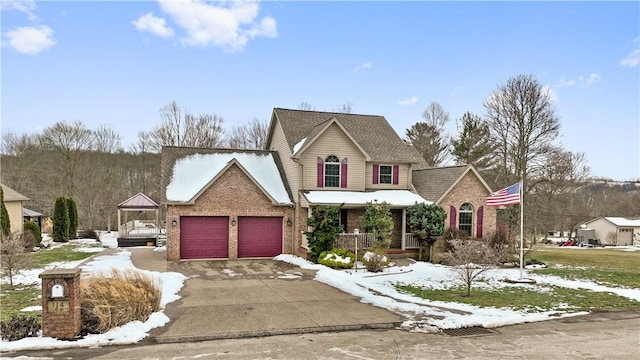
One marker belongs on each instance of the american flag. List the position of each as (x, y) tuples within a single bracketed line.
[(507, 196)]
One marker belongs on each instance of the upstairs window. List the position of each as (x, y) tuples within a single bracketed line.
[(385, 174), (332, 171)]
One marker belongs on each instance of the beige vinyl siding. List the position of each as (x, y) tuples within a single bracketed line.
[(333, 141), (403, 177), (291, 169), (14, 209)]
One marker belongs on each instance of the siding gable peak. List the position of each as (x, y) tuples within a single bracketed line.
[(320, 129)]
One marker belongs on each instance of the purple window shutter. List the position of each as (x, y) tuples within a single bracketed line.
[(479, 222), (453, 221), (396, 173), (343, 173), (376, 169), (320, 172)]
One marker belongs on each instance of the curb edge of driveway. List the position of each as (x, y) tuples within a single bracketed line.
[(264, 333)]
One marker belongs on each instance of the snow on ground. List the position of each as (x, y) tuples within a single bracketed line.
[(129, 333), (377, 289)]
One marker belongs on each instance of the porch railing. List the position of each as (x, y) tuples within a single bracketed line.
[(410, 242), (349, 241)]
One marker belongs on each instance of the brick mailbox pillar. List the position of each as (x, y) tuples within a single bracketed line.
[(61, 303)]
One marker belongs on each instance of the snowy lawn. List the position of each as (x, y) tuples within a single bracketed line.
[(127, 334), (386, 290), (380, 289)]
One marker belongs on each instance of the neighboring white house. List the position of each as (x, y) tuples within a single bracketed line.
[(615, 230)]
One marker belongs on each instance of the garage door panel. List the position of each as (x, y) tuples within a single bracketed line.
[(204, 237), (259, 236)]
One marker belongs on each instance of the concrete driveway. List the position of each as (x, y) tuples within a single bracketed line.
[(245, 298)]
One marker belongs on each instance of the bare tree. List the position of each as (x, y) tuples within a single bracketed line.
[(14, 254), (106, 140), (181, 128), (70, 140), (252, 135), (470, 259), (523, 124), (303, 105), (428, 136), (346, 108)]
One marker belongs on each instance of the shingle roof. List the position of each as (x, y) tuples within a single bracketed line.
[(372, 132), (432, 183), (171, 154), (12, 195)]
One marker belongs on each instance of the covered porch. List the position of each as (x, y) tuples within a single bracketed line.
[(355, 238)]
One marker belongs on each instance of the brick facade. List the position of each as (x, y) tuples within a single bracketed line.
[(471, 190), (61, 303), (232, 194)]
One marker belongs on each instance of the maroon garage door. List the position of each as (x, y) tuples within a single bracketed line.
[(259, 236), (204, 237)]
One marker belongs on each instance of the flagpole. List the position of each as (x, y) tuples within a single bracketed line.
[(521, 231)]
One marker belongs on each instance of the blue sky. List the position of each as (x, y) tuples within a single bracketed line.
[(118, 62)]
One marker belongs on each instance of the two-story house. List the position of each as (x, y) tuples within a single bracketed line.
[(350, 159), (224, 203)]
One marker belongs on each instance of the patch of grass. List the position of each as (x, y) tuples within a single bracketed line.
[(610, 259), (603, 277), (529, 299), (67, 252), (605, 266), (20, 297)]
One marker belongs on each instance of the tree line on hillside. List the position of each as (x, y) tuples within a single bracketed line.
[(515, 140)]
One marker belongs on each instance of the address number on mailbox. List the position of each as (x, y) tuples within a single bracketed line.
[(58, 306)]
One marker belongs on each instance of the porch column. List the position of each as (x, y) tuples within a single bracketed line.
[(119, 222), (404, 228)]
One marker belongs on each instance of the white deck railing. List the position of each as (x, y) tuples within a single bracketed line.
[(139, 229)]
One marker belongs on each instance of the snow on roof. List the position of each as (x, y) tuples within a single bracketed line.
[(392, 197), (620, 221), (192, 173), (298, 146)]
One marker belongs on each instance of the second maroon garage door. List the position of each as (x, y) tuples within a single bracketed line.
[(259, 236), (204, 237)]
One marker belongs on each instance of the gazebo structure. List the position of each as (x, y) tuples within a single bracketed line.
[(138, 232)]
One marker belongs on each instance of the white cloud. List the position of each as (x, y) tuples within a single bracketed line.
[(588, 80), (31, 39), (632, 59), (364, 66), (26, 6), (230, 24), (410, 101), (553, 96), (154, 25), (565, 83)]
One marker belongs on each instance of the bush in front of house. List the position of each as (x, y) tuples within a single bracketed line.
[(337, 259), (375, 260), (88, 234), (117, 297), (32, 231), (325, 225), (19, 327)]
